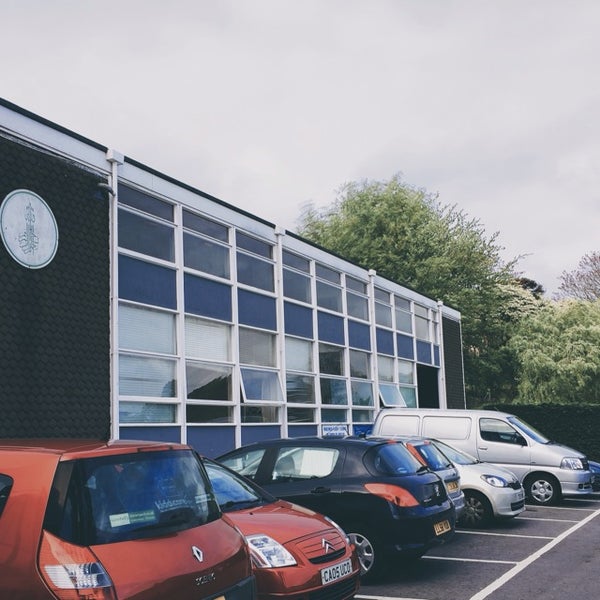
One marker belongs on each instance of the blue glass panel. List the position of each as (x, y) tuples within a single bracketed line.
[(436, 356), (331, 328), (359, 335), (423, 352), (148, 204), (146, 236), (255, 272), (207, 298), (253, 245), (298, 262), (205, 226), (405, 346), (211, 441), (257, 310), (152, 434), (298, 320), (258, 433), (144, 282), (302, 430), (385, 342)]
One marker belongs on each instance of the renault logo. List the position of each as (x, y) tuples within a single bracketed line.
[(327, 546), (197, 553)]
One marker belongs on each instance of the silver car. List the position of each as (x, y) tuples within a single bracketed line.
[(490, 491)]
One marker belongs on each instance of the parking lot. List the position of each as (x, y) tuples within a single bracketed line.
[(550, 552)]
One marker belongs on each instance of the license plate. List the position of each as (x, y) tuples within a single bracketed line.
[(442, 527), (452, 486), (335, 572)]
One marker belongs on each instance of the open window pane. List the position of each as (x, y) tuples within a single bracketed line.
[(261, 385), (208, 382)]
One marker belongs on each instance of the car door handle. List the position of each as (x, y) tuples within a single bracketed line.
[(482, 448), (320, 490)]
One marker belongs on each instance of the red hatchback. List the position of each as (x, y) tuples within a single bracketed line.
[(297, 554), (114, 521)]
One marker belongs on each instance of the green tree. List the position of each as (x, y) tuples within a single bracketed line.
[(408, 236), (558, 351)]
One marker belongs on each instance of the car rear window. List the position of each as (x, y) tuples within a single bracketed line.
[(6, 483), (432, 456), (129, 496), (391, 459)]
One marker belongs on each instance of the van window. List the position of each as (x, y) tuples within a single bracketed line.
[(449, 428), (495, 430), (529, 430), (128, 497), (399, 424)]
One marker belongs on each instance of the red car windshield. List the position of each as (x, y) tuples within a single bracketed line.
[(129, 496)]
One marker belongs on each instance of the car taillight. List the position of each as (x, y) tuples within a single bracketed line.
[(392, 493), (73, 572)]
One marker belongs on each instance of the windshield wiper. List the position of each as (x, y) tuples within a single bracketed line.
[(236, 503)]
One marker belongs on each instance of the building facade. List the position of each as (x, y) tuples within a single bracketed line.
[(134, 306)]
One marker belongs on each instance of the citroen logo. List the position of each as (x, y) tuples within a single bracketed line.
[(197, 553), (327, 546)]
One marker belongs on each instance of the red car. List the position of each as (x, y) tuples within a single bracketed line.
[(114, 521), (297, 554)]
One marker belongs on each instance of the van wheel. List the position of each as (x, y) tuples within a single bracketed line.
[(371, 558), (542, 489), (478, 510)]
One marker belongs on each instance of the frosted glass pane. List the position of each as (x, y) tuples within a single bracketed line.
[(206, 339), (298, 355), (146, 329)]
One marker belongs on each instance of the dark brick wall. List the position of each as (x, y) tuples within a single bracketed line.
[(455, 387), (54, 321)]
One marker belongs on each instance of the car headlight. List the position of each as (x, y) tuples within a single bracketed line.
[(267, 553), (569, 462), (342, 532), (495, 480)]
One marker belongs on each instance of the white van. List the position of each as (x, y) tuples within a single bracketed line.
[(548, 470)]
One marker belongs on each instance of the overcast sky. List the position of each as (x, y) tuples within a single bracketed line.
[(270, 104)]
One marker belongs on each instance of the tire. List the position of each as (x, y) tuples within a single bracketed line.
[(373, 561), (542, 489), (478, 510)]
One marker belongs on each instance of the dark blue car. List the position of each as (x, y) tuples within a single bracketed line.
[(390, 504)]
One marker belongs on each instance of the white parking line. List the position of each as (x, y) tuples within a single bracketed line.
[(361, 597), (515, 535), (475, 560), (559, 508), (498, 583), (549, 520)]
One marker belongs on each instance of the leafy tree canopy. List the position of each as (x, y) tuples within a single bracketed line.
[(558, 350), (408, 236)]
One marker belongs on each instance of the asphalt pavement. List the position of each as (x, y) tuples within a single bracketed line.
[(546, 552)]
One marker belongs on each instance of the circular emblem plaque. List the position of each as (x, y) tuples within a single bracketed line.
[(28, 229)]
